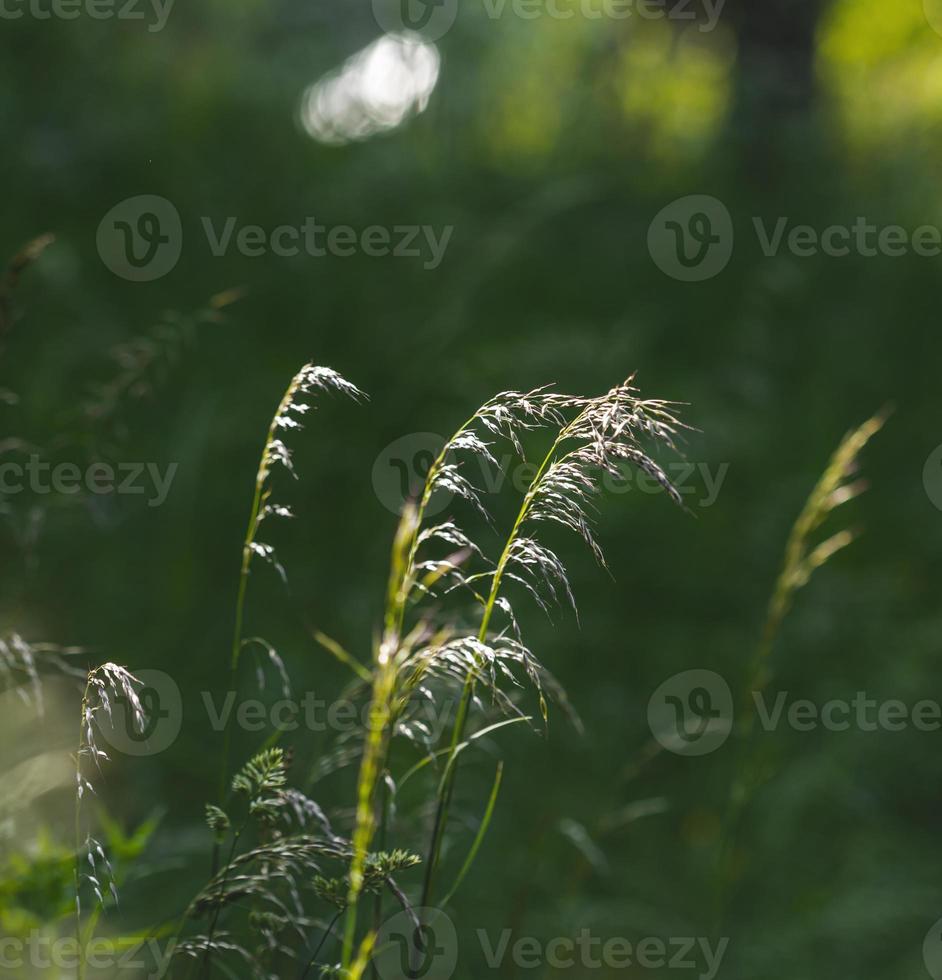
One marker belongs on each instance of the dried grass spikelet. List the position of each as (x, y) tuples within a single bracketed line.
[(23, 665), (105, 685)]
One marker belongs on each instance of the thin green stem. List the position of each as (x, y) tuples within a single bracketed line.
[(446, 787), (216, 912), (78, 838), (320, 945), (258, 499)]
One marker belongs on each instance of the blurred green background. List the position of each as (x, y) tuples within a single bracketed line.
[(549, 145)]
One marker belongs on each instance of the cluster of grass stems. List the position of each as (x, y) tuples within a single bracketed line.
[(449, 629)]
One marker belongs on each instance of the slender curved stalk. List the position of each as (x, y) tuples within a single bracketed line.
[(216, 912), (258, 500), (446, 787), (320, 945), (800, 561)]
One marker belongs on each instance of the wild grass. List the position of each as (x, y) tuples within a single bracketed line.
[(430, 649), (105, 685), (296, 888), (805, 553)]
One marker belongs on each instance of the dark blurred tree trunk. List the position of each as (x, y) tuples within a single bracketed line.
[(775, 91)]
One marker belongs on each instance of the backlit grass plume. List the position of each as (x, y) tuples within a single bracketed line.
[(106, 685), (590, 437), (449, 635)]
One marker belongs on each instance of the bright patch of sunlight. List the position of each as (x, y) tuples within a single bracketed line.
[(375, 90), (675, 87), (883, 74), (530, 78)]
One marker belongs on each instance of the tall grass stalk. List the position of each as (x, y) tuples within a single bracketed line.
[(605, 431), (274, 452), (802, 558), (380, 714)]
